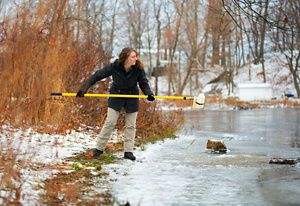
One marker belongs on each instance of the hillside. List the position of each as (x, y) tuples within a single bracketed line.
[(277, 74)]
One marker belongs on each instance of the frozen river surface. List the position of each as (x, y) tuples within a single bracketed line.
[(181, 171)]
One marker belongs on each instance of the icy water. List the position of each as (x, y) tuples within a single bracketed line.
[(181, 171)]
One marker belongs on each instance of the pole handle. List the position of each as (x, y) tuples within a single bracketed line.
[(123, 96), (56, 94)]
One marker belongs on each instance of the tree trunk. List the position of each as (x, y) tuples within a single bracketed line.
[(174, 46), (230, 65), (203, 53), (236, 56), (216, 48), (187, 76), (293, 56), (113, 27), (78, 22), (149, 43), (223, 54), (262, 40), (241, 37), (158, 34)]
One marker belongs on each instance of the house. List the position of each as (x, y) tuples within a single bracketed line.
[(146, 55), (254, 91)]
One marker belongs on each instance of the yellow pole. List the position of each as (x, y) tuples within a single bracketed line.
[(123, 96)]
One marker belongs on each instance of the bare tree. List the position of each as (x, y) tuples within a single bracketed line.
[(157, 12), (113, 26), (149, 38), (262, 38), (214, 16), (284, 20), (290, 44), (100, 22), (193, 41), (1, 6), (136, 21), (171, 39), (257, 15)]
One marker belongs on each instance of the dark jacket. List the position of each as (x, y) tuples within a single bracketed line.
[(123, 83)]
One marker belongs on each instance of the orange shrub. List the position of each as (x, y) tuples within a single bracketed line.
[(44, 54)]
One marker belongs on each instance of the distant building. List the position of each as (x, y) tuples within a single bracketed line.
[(254, 91), (164, 55)]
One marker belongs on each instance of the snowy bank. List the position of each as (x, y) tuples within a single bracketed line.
[(36, 157)]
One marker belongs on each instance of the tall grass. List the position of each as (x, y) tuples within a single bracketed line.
[(40, 55), (41, 52), (12, 160)]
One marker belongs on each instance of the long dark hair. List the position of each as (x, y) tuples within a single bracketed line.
[(123, 56)]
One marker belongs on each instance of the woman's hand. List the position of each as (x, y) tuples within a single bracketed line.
[(151, 97), (80, 94)]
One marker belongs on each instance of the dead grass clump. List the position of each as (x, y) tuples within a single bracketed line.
[(213, 99), (75, 188), (59, 192), (11, 180), (290, 103), (231, 101), (154, 124), (178, 103), (42, 55), (283, 102)]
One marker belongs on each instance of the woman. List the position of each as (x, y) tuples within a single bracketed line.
[(126, 73)]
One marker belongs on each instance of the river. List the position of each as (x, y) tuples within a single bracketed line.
[(181, 171)]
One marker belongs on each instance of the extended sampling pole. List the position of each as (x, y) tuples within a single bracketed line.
[(198, 102)]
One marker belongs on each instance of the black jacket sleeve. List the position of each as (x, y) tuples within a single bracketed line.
[(143, 83), (97, 76)]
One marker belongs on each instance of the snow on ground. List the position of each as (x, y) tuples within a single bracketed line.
[(204, 78), (40, 151), (45, 149), (277, 74)]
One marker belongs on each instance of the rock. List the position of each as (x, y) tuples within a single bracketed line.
[(216, 146), (289, 161)]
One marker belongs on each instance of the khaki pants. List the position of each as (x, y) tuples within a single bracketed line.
[(109, 125)]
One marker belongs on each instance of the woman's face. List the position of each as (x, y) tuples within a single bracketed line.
[(131, 60)]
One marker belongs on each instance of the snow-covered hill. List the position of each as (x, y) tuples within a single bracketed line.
[(277, 74)]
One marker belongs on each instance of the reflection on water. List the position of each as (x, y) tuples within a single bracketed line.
[(279, 125), (182, 172)]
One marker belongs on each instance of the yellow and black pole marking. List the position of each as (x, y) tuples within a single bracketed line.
[(200, 100)]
